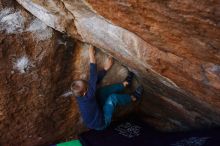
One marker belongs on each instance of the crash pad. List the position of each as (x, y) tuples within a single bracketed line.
[(132, 132), (70, 143)]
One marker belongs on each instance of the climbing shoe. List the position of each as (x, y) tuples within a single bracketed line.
[(138, 92), (129, 78)]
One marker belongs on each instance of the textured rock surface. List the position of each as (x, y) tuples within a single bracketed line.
[(173, 47), (175, 51), (37, 66), (186, 35), (33, 69)]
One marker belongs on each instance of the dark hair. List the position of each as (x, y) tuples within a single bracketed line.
[(79, 87)]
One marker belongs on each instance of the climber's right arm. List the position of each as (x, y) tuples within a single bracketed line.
[(92, 54), (93, 72)]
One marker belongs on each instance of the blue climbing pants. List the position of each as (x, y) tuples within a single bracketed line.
[(109, 97)]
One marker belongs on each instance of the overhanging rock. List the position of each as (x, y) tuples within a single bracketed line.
[(184, 84)]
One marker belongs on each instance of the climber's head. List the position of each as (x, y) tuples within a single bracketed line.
[(79, 87)]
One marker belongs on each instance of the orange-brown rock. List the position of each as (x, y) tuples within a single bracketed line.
[(187, 36), (172, 46), (35, 63), (37, 66)]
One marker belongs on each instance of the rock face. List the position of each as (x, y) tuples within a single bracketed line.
[(34, 65), (172, 46), (184, 38), (37, 66)]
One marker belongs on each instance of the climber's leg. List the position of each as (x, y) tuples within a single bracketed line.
[(112, 101), (104, 92)]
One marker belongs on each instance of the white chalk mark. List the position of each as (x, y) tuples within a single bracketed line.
[(66, 94), (40, 30), (22, 64), (11, 22)]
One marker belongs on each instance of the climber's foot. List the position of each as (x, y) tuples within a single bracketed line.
[(136, 96), (128, 79)]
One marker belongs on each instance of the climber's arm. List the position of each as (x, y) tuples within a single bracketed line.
[(94, 77), (92, 54), (107, 66), (93, 69), (93, 72)]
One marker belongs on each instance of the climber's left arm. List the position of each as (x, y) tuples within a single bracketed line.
[(107, 66), (93, 72)]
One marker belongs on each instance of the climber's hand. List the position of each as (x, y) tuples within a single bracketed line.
[(91, 50), (108, 63), (92, 54)]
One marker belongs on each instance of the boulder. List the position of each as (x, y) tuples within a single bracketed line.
[(172, 46), (37, 67)]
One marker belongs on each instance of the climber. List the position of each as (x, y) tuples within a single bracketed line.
[(97, 106)]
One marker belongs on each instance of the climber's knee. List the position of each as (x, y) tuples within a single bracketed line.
[(112, 99)]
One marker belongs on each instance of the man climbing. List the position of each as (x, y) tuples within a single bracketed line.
[(97, 106)]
